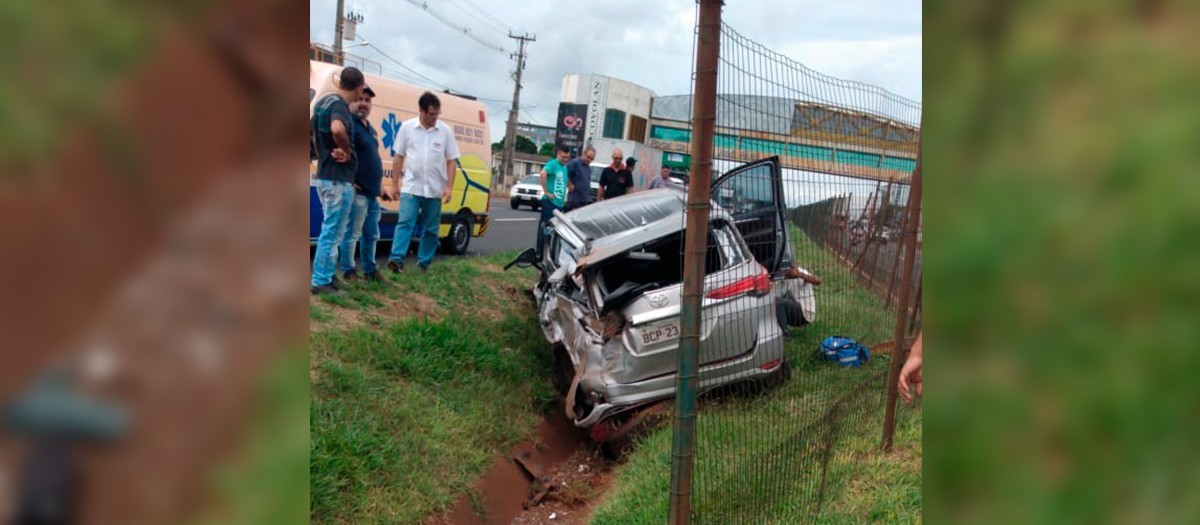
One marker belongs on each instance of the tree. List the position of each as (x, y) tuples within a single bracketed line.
[(547, 150), (524, 145)]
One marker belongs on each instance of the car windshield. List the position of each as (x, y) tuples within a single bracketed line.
[(532, 179)]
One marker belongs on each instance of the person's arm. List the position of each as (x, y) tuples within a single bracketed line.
[(603, 183), (399, 150), (451, 164), (397, 175), (910, 375), (546, 186), (341, 137)]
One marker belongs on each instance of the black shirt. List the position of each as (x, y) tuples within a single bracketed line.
[(615, 183), (332, 107), (369, 176)]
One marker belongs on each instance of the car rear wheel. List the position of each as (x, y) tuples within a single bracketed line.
[(460, 236)]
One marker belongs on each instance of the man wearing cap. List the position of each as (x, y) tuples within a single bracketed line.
[(426, 155), (332, 129), (616, 179), (364, 214)]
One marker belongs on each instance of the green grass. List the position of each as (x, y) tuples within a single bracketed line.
[(406, 414), (267, 483), (813, 443)]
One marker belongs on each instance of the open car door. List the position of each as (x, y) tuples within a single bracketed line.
[(753, 194)]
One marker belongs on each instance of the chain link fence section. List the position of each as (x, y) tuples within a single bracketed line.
[(813, 172)]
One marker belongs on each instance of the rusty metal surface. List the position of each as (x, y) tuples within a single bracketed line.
[(902, 317), (704, 120)]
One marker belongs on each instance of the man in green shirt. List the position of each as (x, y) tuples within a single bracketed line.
[(554, 190)]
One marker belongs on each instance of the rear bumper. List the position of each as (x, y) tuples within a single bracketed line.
[(748, 366)]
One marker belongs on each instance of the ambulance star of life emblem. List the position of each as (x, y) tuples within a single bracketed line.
[(658, 301)]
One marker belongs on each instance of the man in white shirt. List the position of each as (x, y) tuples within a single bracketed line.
[(426, 153)]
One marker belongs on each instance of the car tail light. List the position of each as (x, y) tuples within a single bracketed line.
[(758, 285), (769, 365)]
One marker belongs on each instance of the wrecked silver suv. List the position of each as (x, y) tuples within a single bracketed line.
[(609, 293)]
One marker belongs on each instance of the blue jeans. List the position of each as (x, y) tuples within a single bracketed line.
[(417, 212), (363, 225), (336, 200), (548, 208)]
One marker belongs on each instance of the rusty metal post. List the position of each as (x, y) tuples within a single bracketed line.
[(906, 291), (704, 116)]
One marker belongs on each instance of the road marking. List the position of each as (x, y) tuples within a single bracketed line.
[(515, 220)]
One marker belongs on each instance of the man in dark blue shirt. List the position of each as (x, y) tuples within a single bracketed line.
[(368, 180), (579, 179), (332, 128)]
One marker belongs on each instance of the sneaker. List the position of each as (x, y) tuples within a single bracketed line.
[(372, 277), (324, 289), (395, 266), (335, 283), (349, 276)]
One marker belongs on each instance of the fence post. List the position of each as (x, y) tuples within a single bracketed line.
[(704, 116), (899, 351)]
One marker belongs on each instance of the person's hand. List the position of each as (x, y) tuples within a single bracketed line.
[(910, 377), (394, 193), (339, 155), (446, 195)]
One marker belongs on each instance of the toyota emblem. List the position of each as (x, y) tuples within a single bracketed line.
[(658, 301)]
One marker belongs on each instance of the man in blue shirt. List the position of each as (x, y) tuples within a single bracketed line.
[(579, 183), (332, 127), (364, 214), (554, 191)]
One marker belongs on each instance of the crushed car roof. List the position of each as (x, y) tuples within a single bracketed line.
[(624, 223), (623, 213)]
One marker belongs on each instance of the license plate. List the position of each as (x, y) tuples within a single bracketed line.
[(659, 333)]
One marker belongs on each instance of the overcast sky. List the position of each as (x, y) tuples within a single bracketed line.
[(648, 42)]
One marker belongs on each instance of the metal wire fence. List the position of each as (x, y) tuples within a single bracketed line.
[(811, 183)]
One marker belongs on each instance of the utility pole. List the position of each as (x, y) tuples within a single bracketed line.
[(337, 32), (510, 138)]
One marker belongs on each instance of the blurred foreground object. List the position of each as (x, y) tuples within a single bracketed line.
[(156, 227)]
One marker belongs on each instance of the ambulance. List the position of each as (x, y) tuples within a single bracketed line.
[(466, 215)]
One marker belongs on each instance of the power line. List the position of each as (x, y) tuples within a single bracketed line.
[(498, 22), (464, 30), (413, 71), (489, 21)]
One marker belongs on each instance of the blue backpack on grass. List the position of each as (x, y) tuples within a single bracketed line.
[(844, 351)]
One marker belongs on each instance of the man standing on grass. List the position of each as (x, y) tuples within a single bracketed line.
[(364, 214), (554, 191), (332, 128), (426, 153), (579, 179)]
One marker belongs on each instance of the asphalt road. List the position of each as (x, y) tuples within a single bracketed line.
[(509, 230)]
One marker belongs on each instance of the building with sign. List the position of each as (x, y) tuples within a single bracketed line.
[(805, 135), (596, 106)]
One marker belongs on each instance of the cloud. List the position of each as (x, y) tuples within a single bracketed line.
[(648, 43)]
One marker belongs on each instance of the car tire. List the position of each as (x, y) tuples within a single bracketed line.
[(460, 236), (514, 203)]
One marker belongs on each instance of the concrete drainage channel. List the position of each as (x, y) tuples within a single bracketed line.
[(555, 478)]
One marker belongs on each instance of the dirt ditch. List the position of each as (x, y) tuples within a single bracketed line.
[(556, 478)]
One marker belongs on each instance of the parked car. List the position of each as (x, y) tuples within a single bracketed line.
[(608, 296), (527, 192)]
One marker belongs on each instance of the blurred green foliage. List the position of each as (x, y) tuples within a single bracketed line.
[(1062, 172), (58, 63)]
